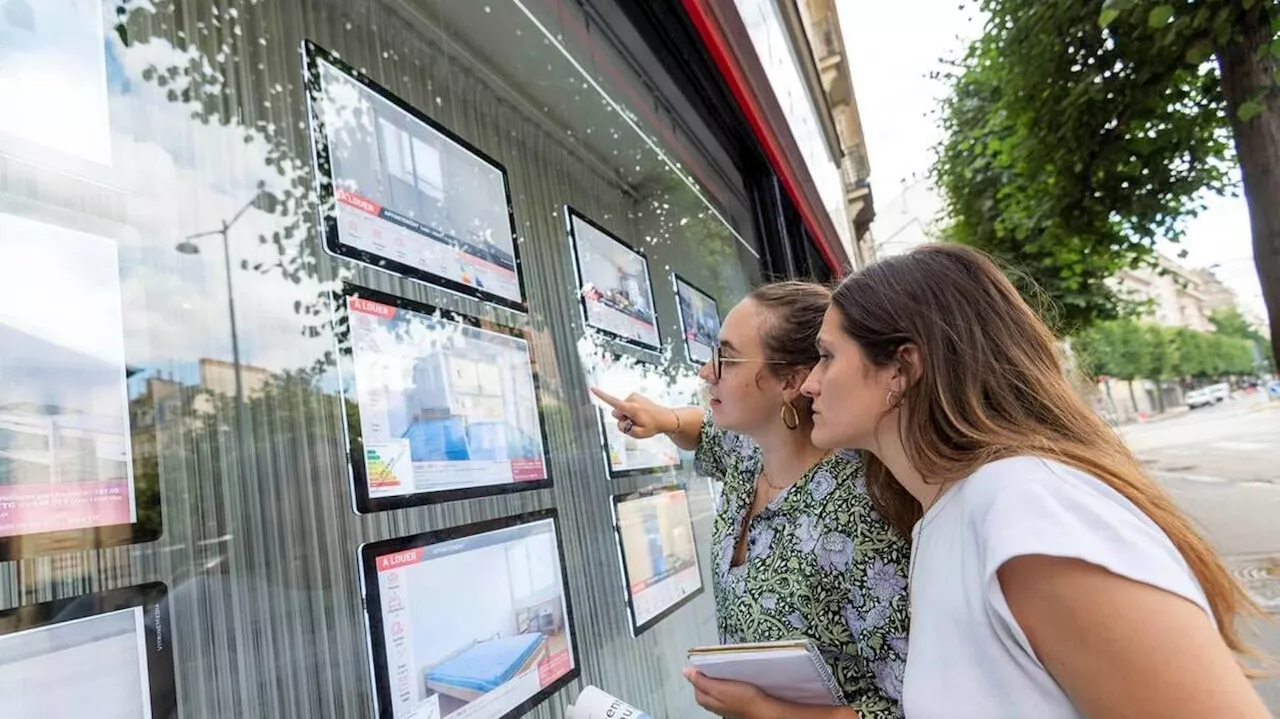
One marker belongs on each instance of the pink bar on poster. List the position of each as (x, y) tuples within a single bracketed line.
[(36, 508), (527, 470)]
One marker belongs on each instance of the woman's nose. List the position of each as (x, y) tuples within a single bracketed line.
[(706, 373), (810, 387)]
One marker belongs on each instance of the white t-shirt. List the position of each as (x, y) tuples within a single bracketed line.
[(967, 656)]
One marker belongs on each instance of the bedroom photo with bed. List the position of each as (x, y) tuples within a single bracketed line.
[(489, 627)]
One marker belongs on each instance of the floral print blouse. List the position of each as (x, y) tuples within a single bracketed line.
[(821, 564)]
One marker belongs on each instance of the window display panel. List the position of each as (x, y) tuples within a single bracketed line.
[(658, 553), (699, 320), (625, 455), (236, 389), (445, 407), (407, 194), (103, 655), (471, 622), (613, 279), (628, 456), (54, 85), (66, 460)]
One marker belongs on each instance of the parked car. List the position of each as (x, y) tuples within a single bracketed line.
[(1211, 395), (1273, 390)]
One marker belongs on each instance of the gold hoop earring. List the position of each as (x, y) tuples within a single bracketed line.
[(794, 417), (893, 399)]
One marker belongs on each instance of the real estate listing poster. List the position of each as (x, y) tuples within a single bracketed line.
[(65, 447), (408, 195), (53, 84), (614, 285), (469, 623), (628, 456), (445, 405), (699, 320), (625, 455), (103, 655), (659, 555)]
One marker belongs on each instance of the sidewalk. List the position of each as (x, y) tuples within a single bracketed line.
[(1170, 413), (1167, 415)]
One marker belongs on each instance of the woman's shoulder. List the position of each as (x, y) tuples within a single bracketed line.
[(727, 456), (841, 484), (832, 480), (1028, 482), (848, 461), (1031, 505), (842, 470), (1031, 500)]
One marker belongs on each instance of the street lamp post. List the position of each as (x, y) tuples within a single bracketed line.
[(268, 203)]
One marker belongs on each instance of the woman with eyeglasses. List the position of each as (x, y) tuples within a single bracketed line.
[(1052, 578), (799, 549)]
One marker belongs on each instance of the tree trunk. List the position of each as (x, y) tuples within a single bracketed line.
[(1247, 70), (1133, 398)]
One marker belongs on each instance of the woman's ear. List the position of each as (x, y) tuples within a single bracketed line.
[(909, 366), (794, 381)]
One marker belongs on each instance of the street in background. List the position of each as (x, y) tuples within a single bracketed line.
[(1222, 465)]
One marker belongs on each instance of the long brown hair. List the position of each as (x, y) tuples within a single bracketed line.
[(990, 386)]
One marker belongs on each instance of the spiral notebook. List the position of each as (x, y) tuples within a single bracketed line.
[(793, 671)]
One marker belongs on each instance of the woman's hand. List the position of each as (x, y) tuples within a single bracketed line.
[(729, 699), (647, 418), (738, 700)]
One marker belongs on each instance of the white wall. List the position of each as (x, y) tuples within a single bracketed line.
[(464, 598), (910, 219), (458, 600)]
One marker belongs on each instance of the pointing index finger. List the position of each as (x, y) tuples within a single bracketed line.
[(608, 398)]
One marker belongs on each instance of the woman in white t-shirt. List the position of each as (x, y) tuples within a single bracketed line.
[(1049, 577)]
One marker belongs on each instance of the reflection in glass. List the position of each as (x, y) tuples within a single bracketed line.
[(65, 459), (53, 80), (235, 388)]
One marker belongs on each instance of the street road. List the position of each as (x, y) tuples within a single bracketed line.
[(1222, 465)]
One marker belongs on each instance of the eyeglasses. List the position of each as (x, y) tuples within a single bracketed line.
[(718, 359)]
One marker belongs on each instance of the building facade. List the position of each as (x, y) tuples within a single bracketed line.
[(232, 233), (1175, 295), (826, 42), (912, 218), (780, 34)]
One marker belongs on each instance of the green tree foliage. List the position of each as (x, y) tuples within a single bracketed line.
[(1230, 323), (1190, 352), (1116, 349), (1113, 349), (1159, 364), (1080, 132), (1127, 350)]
